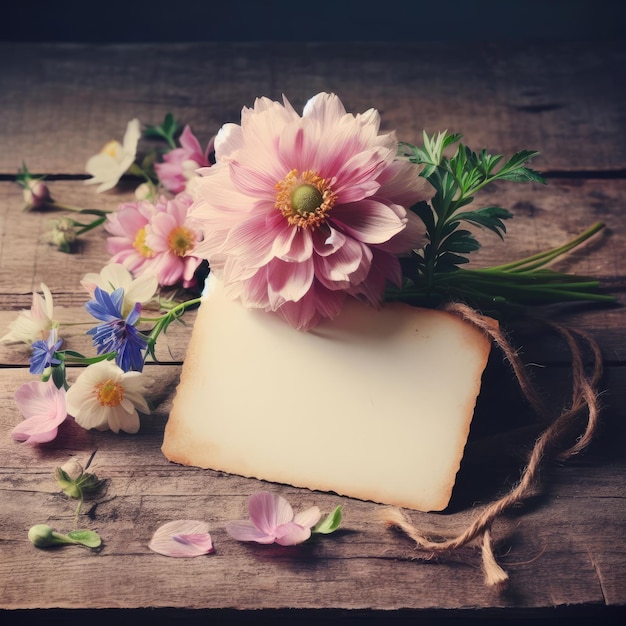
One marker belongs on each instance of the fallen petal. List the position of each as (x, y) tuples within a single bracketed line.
[(182, 539)]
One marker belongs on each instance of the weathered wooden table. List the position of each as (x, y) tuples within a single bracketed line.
[(565, 549)]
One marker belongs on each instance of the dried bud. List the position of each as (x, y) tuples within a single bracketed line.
[(61, 234)]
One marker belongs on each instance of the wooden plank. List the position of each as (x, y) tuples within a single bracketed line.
[(540, 223), (546, 96), (545, 216), (565, 547)]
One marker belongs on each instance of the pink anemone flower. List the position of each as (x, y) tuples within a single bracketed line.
[(180, 165), (43, 406), (272, 520), (300, 211)]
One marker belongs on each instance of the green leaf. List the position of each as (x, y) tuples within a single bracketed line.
[(523, 175), (425, 213), (87, 538), (461, 241), (329, 524), (488, 217)]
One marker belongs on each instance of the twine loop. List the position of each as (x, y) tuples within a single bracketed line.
[(584, 397)]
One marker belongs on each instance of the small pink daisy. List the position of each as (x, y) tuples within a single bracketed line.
[(172, 239), (127, 227)]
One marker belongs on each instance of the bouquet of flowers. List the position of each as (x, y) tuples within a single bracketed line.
[(294, 214)]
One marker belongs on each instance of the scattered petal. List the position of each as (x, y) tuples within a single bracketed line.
[(182, 539), (272, 520)]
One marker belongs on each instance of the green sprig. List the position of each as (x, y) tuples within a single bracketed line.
[(434, 273)]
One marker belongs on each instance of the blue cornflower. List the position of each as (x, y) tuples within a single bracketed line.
[(117, 334), (43, 353)]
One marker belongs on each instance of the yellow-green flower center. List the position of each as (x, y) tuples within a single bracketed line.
[(181, 240), (109, 393), (140, 244), (305, 199)]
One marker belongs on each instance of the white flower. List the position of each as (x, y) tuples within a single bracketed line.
[(112, 162), (104, 396), (33, 324), (115, 276)]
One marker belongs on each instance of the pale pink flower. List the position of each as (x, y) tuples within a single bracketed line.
[(182, 539), (297, 212), (33, 324), (180, 165), (104, 396), (127, 230), (116, 276), (43, 406), (173, 239), (272, 520), (113, 161)]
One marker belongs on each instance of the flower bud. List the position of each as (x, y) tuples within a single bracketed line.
[(61, 234), (143, 192), (72, 468), (41, 535), (36, 194)]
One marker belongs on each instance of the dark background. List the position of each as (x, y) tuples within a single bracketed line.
[(311, 20)]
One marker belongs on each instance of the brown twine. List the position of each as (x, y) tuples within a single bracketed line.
[(584, 396)]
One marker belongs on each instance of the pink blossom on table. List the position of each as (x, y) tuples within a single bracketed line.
[(105, 397), (116, 276), (182, 539), (180, 165), (272, 520), (172, 237), (33, 324), (300, 211), (127, 230), (43, 406), (114, 160)]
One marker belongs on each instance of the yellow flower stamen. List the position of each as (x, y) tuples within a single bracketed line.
[(112, 148), (140, 244), (305, 199), (181, 240), (109, 393)]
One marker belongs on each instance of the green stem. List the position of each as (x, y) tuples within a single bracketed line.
[(91, 226), (173, 313), (542, 258)]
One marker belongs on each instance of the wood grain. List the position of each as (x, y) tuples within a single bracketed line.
[(564, 548)]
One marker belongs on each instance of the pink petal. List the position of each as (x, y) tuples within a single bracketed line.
[(357, 177), (368, 221), (288, 282), (36, 429), (44, 407), (309, 517), (245, 530), (291, 534), (268, 511), (182, 539), (324, 107)]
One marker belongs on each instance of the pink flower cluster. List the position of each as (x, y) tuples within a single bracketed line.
[(155, 239)]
